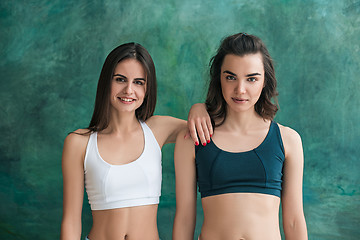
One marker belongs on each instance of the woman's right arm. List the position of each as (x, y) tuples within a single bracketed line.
[(185, 172), (73, 185)]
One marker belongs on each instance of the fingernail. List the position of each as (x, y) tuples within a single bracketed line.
[(208, 141), (204, 144), (196, 143), (210, 135)]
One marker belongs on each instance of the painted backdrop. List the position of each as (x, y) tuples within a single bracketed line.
[(51, 53)]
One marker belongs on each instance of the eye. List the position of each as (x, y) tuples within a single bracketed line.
[(230, 77), (138, 82), (252, 79), (120, 79)]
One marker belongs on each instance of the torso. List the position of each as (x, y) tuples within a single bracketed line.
[(137, 222), (130, 223), (133, 223), (240, 215)]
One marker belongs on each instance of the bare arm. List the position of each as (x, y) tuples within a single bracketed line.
[(73, 185), (165, 128), (292, 204), (185, 216)]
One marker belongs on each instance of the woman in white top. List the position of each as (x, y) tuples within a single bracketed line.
[(119, 153)]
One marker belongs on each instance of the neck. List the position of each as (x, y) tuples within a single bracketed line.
[(241, 121), (122, 123)]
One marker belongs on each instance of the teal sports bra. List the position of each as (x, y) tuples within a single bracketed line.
[(255, 171)]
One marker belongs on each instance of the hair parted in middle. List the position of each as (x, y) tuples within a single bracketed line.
[(101, 115), (241, 44)]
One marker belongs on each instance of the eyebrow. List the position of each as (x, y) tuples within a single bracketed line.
[(248, 75), (253, 74), (120, 75)]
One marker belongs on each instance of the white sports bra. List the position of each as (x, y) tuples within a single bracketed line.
[(117, 186)]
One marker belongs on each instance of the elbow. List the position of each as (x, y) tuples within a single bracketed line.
[(70, 230), (184, 227), (295, 228)]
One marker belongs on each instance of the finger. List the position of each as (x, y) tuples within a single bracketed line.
[(206, 131), (200, 132), (187, 134), (209, 126), (192, 130)]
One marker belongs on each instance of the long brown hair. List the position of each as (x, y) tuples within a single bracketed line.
[(241, 44), (101, 115)]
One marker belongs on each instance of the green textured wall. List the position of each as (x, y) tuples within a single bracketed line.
[(52, 53)]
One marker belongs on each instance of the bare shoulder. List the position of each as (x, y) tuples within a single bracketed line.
[(185, 143), (289, 135), (184, 148), (291, 141), (77, 139)]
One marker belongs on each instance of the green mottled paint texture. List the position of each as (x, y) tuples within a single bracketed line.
[(52, 53)]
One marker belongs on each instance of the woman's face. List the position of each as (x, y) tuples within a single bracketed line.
[(128, 86), (242, 80)]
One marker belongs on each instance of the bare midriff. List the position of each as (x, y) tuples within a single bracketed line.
[(241, 216), (131, 223)]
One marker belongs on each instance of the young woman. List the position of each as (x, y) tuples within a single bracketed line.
[(118, 157), (251, 162)]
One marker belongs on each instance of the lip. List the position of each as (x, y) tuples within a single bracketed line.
[(240, 100), (126, 100)]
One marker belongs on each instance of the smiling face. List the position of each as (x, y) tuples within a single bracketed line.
[(128, 86), (242, 80)]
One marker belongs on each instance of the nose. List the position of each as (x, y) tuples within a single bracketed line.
[(240, 87), (128, 88)]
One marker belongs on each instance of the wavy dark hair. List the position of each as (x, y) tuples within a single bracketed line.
[(241, 44), (101, 115)]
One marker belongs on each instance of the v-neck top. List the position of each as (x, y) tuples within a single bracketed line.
[(136, 183), (256, 171)]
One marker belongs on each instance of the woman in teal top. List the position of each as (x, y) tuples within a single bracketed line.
[(250, 164)]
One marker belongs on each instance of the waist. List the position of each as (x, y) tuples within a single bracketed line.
[(125, 223), (241, 216), (123, 203)]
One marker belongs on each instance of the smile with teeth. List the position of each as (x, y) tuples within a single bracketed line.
[(126, 99)]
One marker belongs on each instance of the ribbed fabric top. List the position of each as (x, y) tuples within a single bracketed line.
[(255, 171), (117, 186)]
